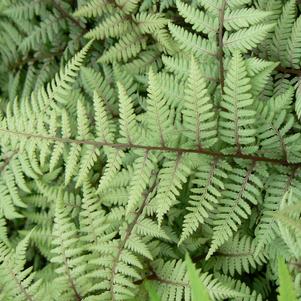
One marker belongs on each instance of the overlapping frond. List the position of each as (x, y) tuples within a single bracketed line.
[(178, 131)]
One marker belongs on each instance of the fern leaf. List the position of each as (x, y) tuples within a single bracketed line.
[(209, 185), (128, 124), (18, 174), (293, 46), (176, 285), (93, 8), (127, 47), (282, 30), (95, 82), (103, 128), (159, 120), (143, 167), (113, 166), (47, 31), (127, 6), (193, 43), (113, 26), (201, 21), (199, 124), (61, 84), (71, 162), (244, 17), (277, 188), (67, 250), (83, 128), (172, 177), (244, 188), (274, 137), (246, 39), (148, 227), (149, 23), (25, 9), (237, 256), (88, 158), (16, 280), (237, 119)]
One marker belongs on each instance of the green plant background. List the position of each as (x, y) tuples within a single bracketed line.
[(135, 132)]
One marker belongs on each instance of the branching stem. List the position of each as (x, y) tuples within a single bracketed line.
[(203, 151)]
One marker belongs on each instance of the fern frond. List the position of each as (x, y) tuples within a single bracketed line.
[(67, 252), (244, 17), (177, 132), (127, 6), (199, 124), (201, 21), (274, 137), (47, 31), (159, 120), (143, 167), (293, 46), (25, 9), (128, 46), (237, 256), (238, 118), (282, 30), (277, 188), (94, 81), (112, 167), (208, 179), (172, 176), (93, 8), (193, 43), (89, 156), (150, 23), (60, 86), (128, 123), (246, 39), (243, 189), (113, 26), (18, 281), (173, 282)]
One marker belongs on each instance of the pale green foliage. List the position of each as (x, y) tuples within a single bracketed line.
[(134, 132), (152, 293), (286, 288), (241, 191), (198, 110), (209, 178), (197, 287), (236, 256), (237, 117)]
